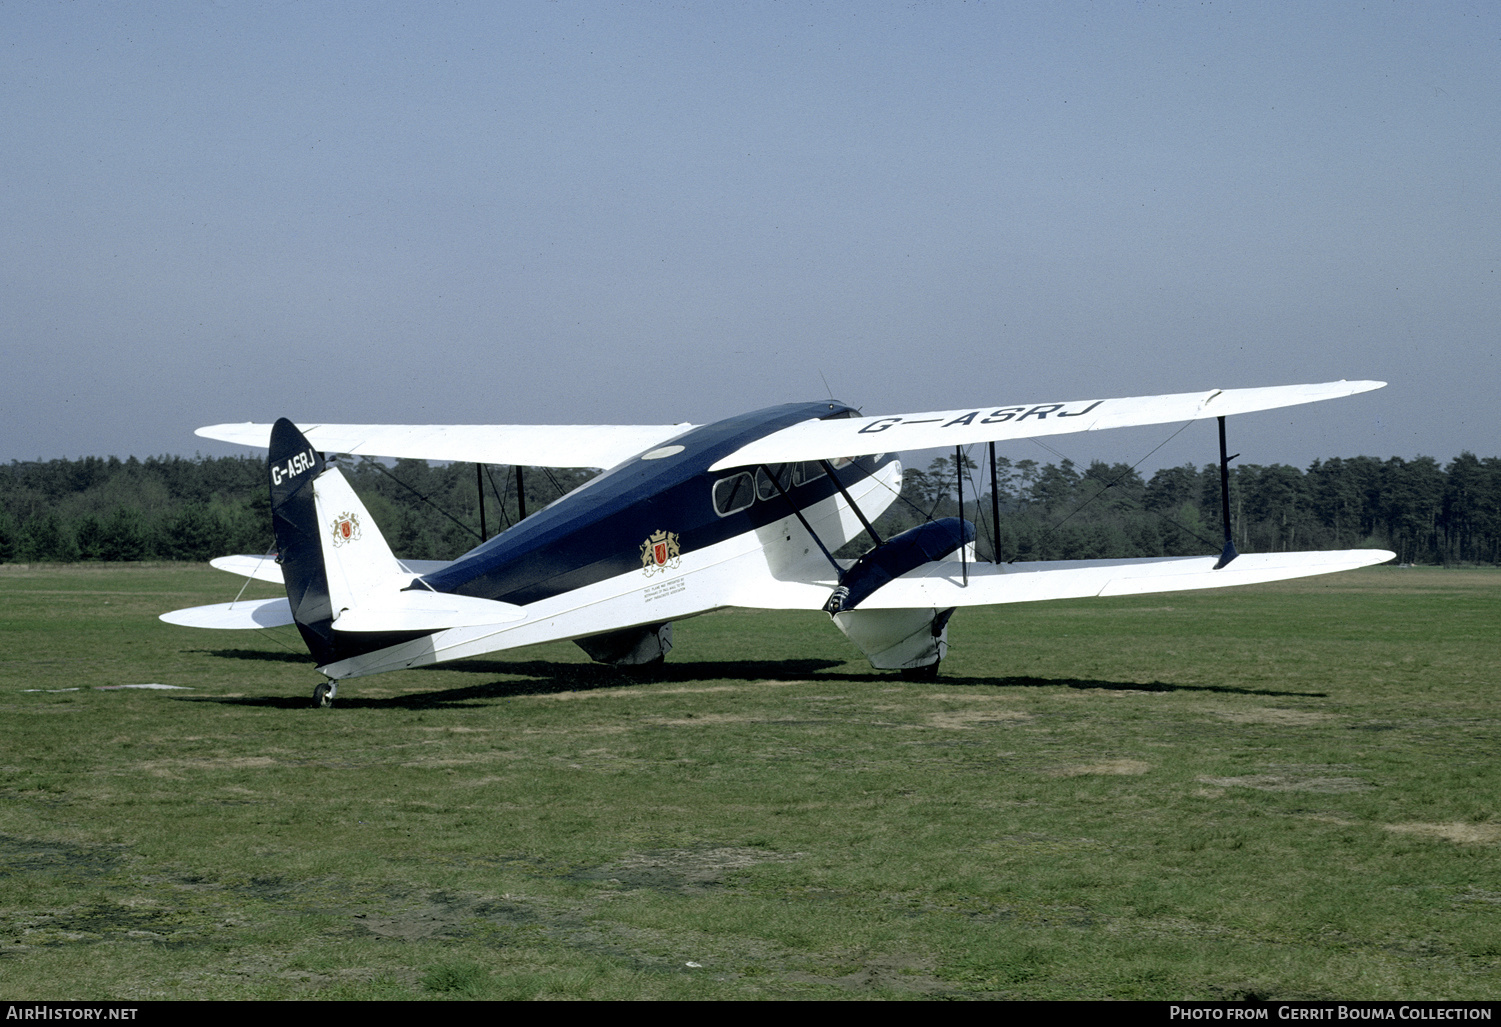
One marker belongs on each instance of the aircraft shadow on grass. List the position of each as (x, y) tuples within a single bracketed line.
[(253, 654), (545, 677)]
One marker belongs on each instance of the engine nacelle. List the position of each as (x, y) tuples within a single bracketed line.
[(906, 640), (896, 556)]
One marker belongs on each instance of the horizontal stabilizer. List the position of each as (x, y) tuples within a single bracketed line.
[(407, 611), (261, 568), (941, 585), (241, 615), (265, 568), (531, 445), (417, 610)]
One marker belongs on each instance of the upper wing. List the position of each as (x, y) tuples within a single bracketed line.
[(939, 429), (531, 445)]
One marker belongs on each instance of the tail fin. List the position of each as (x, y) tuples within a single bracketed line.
[(294, 466), (348, 592)]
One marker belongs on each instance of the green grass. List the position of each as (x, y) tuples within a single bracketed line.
[(1287, 791)]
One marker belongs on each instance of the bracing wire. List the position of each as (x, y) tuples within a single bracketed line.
[(500, 498), (1100, 492), (994, 531), (556, 487), (378, 466), (251, 577), (927, 515), (267, 632), (1050, 449)]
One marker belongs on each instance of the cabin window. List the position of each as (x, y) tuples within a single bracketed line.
[(766, 488), (808, 470), (733, 493)]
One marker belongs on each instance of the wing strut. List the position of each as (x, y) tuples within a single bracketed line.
[(1229, 552), (995, 511), (479, 484), (838, 570), (959, 476), (520, 496)]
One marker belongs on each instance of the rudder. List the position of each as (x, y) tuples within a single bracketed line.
[(293, 466)]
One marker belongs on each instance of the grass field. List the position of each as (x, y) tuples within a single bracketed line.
[(1286, 791)]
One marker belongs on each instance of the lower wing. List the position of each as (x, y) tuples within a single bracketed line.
[(943, 584)]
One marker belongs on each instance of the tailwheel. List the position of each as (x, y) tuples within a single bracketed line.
[(323, 695)]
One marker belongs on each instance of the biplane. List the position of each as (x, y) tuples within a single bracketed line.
[(684, 519)]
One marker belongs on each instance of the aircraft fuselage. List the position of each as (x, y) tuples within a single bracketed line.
[(606, 527)]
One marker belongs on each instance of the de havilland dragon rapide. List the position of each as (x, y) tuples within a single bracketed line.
[(748, 511)]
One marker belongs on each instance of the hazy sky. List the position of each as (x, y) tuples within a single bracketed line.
[(645, 213)]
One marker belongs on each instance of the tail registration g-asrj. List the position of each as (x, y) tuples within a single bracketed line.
[(747, 511)]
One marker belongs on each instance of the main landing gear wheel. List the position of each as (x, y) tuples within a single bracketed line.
[(323, 695), (928, 673)]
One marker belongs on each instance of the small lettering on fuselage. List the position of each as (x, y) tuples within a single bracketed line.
[(1040, 411), (294, 466), (663, 589)]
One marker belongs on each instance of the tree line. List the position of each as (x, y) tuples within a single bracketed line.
[(178, 508), (1423, 512)]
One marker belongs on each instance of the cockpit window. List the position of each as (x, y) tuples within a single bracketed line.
[(806, 471), (766, 488), (733, 493)]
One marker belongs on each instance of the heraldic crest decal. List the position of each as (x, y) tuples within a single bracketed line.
[(660, 552), (346, 528)]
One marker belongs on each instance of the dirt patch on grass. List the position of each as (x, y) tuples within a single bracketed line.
[(101, 922), (578, 729), (569, 696), (964, 719), (689, 870), (1105, 767), (1290, 783), (166, 768), (1276, 717), (1461, 834), (705, 719), (440, 915), (699, 689), (21, 856), (457, 761), (884, 973), (643, 692)]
